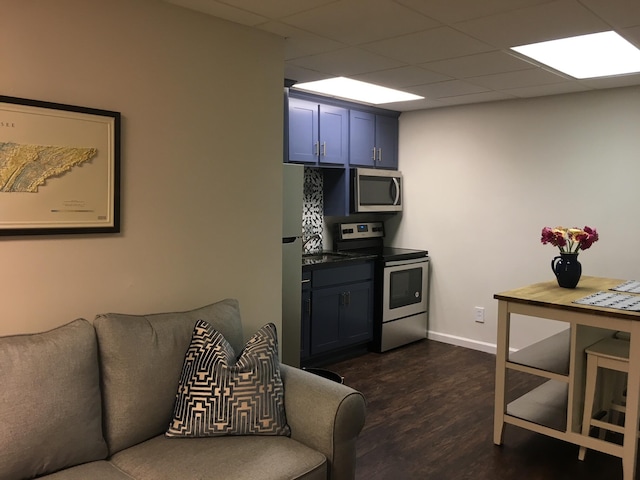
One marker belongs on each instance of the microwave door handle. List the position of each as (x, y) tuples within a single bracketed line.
[(396, 184)]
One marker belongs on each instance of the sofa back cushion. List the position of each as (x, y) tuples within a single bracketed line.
[(141, 359), (50, 405)]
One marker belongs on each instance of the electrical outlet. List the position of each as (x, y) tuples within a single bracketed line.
[(480, 314)]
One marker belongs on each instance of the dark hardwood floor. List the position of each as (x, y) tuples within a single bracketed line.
[(430, 416)]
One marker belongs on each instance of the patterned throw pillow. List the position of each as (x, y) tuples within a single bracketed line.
[(221, 395)]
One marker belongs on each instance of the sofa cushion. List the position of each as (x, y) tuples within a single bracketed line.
[(220, 394), (50, 406), (141, 359), (102, 470), (222, 458)]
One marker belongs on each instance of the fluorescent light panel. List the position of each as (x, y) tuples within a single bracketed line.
[(586, 56), (356, 90)]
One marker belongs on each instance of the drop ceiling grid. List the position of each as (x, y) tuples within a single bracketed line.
[(451, 46)]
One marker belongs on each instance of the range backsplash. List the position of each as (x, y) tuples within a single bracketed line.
[(312, 209)]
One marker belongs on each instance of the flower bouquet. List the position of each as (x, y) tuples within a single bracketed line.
[(569, 241)]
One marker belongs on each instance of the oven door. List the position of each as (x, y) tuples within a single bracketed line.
[(405, 288)]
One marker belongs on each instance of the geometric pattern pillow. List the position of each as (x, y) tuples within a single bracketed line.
[(220, 394)]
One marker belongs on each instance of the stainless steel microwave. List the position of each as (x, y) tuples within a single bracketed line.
[(376, 190)]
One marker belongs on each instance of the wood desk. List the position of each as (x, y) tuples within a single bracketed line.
[(555, 408)]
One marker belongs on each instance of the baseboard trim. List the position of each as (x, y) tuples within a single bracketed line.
[(462, 342)]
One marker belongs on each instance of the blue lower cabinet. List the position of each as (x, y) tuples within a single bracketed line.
[(341, 307)]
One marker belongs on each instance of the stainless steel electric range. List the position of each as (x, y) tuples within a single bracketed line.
[(401, 284)]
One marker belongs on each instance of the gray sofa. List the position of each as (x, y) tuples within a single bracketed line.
[(87, 401)]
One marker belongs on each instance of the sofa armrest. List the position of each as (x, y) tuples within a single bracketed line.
[(326, 416)]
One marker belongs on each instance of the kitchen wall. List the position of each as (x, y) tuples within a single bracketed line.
[(201, 104), (482, 180)]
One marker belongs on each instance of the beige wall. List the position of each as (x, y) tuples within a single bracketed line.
[(201, 103), (482, 180)]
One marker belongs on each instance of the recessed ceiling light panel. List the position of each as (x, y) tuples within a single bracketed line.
[(356, 90), (587, 56)]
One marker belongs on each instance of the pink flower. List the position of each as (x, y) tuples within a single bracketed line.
[(569, 240)]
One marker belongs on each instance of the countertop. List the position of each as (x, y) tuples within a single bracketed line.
[(318, 259)]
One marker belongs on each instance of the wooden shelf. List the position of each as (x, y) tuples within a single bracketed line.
[(550, 354), (545, 405)]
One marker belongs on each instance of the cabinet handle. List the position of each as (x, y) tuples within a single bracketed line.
[(348, 298), (373, 154), (324, 149), (380, 155), (317, 148)]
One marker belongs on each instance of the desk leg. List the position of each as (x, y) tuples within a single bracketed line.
[(633, 399), (502, 353)]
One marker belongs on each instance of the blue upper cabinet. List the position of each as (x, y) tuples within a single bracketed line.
[(334, 135), (318, 134), (373, 140), (362, 138), (387, 132), (303, 131)]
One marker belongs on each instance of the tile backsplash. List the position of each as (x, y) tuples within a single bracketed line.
[(312, 209)]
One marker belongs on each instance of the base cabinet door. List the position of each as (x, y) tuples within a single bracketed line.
[(357, 321), (341, 316), (325, 319), (305, 334)]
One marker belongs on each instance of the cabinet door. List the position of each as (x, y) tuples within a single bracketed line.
[(357, 319), (326, 306), (387, 142), (305, 334), (362, 129), (303, 131), (334, 135)]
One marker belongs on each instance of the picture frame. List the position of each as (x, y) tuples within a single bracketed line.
[(59, 168)]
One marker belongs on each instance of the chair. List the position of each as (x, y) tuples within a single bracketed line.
[(610, 354)]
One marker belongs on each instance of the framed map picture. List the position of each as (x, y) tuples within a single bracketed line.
[(59, 168)]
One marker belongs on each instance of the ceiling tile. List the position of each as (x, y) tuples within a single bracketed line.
[(301, 74), (275, 9), (449, 88), (476, 98), (619, 13), (519, 78), (298, 42), (549, 21), (413, 105), (348, 61), (613, 82), (221, 10), (543, 90), (449, 12), (354, 22), (430, 45), (480, 64), (402, 77), (632, 35)]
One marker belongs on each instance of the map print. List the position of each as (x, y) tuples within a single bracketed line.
[(23, 168)]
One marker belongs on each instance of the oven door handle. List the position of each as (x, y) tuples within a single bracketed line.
[(395, 263)]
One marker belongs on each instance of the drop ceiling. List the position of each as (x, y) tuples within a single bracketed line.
[(451, 52)]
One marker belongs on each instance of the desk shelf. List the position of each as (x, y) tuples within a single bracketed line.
[(545, 405), (548, 355)]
